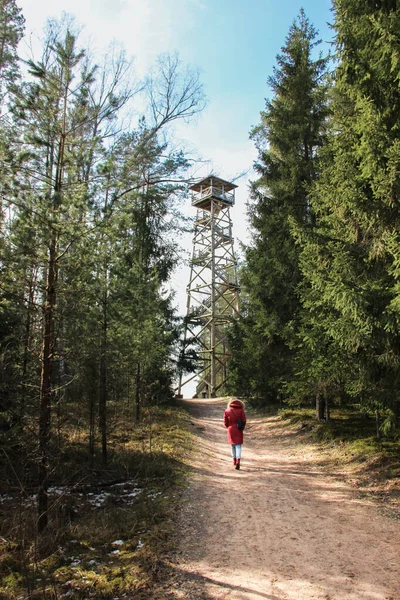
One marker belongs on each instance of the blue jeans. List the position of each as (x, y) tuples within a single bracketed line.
[(236, 450)]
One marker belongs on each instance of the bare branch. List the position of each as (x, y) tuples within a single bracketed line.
[(174, 92)]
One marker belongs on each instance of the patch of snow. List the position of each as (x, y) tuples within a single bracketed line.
[(118, 543), (5, 498), (154, 494), (58, 491), (97, 500), (30, 500)]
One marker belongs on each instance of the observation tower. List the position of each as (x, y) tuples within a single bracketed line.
[(213, 289)]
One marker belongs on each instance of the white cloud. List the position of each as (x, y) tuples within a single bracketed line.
[(146, 28)]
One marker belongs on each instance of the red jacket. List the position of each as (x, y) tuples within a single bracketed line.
[(231, 415)]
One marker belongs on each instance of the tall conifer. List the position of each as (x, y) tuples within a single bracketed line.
[(351, 262), (288, 138)]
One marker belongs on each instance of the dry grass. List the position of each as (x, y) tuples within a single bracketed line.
[(348, 445), (108, 526)]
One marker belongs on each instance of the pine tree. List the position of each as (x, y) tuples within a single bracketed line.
[(350, 263), (59, 122), (50, 133), (288, 139)]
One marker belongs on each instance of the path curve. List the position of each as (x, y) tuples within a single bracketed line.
[(281, 528)]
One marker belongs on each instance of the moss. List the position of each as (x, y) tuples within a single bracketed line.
[(11, 581)]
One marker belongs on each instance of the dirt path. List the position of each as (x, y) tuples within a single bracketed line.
[(278, 529)]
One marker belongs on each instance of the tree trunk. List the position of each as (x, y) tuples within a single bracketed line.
[(46, 385), (320, 407), (378, 424), (21, 407), (138, 392), (91, 425), (103, 385), (27, 341)]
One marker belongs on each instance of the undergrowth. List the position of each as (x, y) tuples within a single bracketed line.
[(108, 525)]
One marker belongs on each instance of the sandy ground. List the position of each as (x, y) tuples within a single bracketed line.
[(281, 528)]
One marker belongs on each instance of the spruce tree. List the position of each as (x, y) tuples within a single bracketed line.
[(288, 139), (351, 262)]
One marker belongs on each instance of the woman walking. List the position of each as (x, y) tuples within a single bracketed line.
[(235, 421)]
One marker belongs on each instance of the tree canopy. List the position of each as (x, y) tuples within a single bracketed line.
[(88, 207)]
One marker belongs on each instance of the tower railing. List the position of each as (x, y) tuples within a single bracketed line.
[(215, 192)]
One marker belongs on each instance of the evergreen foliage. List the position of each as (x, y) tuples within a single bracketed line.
[(288, 140), (350, 262), (321, 313), (11, 31)]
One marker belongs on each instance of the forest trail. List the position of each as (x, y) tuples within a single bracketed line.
[(281, 528)]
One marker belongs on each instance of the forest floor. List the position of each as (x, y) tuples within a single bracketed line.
[(287, 526)]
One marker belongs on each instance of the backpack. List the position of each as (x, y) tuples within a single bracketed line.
[(240, 424)]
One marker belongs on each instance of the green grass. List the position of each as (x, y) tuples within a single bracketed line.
[(78, 554)]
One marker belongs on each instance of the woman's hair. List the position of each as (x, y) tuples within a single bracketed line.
[(235, 400)]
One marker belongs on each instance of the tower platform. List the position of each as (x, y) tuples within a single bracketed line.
[(212, 188)]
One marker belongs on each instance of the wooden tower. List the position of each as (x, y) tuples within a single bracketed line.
[(213, 290)]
